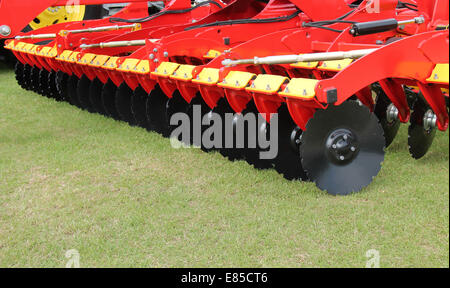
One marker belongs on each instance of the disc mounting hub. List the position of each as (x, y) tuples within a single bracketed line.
[(342, 146)]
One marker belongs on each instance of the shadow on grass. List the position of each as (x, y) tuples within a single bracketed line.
[(6, 68)]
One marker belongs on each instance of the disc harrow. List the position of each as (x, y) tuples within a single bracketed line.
[(331, 81)]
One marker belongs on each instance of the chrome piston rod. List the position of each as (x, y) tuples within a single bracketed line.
[(290, 59), (87, 30), (103, 29), (114, 44), (37, 36)]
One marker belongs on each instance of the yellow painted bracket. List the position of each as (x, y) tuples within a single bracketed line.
[(440, 74), (65, 55), (208, 76), (99, 61), (19, 46), (267, 84), (29, 48), (10, 45), (48, 52), (73, 57), (300, 88), (166, 69), (111, 64), (129, 65), (24, 48), (184, 73), (305, 65), (335, 65), (143, 67), (212, 54), (43, 51), (87, 59), (237, 80), (52, 53)]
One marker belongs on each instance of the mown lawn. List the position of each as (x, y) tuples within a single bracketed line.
[(123, 197)]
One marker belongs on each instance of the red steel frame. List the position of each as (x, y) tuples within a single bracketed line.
[(409, 61), (69, 40), (30, 9), (316, 40)]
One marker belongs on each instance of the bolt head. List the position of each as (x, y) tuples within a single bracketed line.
[(5, 30)]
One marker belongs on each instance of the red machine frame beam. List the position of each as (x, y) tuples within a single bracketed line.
[(395, 61), (9, 19)]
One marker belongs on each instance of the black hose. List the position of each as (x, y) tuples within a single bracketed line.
[(323, 24), (247, 21), (165, 12)]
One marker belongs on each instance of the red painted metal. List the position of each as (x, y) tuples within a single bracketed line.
[(30, 9), (408, 61), (412, 58)]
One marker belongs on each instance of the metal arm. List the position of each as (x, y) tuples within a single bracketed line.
[(289, 59)]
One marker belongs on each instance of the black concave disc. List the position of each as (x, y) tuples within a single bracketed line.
[(95, 96), (51, 82), (287, 162), (197, 110), (123, 103), (44, 88), (83, 94), (390, 128), (175, 105), (34, 79), (19, 72), (342, 148), (262, 159), (108, 96), (61, 80), (72, 84), (26, 80), (156, 111), (138, 107), (223, 109), (246, 128), (419, 139)]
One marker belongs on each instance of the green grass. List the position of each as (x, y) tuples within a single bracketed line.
[(123, 197)]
